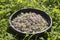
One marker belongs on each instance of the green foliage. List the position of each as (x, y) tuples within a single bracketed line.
[(52, 7)]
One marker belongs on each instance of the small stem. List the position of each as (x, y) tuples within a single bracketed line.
[(31, 36), (26, 36), (36, 37)]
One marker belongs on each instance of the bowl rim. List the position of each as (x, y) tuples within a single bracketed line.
[(25, 32)]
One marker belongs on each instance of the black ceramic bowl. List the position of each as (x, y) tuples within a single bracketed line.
[(42, 13)]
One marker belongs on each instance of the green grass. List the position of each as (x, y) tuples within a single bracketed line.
[(7, 7)]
